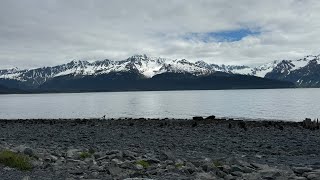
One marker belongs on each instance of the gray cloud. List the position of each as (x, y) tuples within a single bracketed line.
[(37, 33)]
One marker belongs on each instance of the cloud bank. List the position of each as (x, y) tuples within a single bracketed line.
[(43, 33)]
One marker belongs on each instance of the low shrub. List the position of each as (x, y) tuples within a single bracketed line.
[(217, 164), (85, 155), (143, 163), (15, 160)]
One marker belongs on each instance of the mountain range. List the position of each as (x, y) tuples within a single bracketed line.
[(141, 72)]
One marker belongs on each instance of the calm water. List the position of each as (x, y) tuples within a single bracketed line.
[(280, 104)]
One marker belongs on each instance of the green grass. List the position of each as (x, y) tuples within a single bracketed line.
[(15, 160), (217, 164), (179, 165), (143, 163), (84, 155)]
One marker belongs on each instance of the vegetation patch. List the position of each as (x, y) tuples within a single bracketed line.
[(143, 163), (179, 165), (84, 155), (217, 164), (15, 160)]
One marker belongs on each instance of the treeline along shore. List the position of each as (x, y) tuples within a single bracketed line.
[(198, 148)]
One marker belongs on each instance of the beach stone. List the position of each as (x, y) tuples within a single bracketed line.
[(129, 155), (211, 117), (301, 170), (98, 155), (170, 167), (24, 149), (8, 168), (166, 155), (229, 177), (114, 170), (237, 173), (28, 151), (190, 167), (205, 176), (95, 174), (298, 178), (36, 163), (197, 118), (270, 173), (76, 171), (51, 158), (226, 168), (313, 176), (235, 168), (139, 167), (138, 179), (246, 169), (26, 178), (221, 174), (73, 153), (112, 152)]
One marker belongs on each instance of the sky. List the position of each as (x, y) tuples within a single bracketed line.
[(38, 33)]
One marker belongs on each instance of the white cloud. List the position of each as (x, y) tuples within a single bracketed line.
[(37, 33)]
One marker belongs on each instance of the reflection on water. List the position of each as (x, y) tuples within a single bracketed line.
[(282, 104)]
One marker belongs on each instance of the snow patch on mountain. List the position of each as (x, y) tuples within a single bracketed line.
[(151, 66)]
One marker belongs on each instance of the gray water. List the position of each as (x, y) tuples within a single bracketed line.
[(275, 104)]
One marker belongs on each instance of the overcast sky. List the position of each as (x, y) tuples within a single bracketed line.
[(43, 33)]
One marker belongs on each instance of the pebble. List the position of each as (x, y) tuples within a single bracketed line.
[(171, 151)]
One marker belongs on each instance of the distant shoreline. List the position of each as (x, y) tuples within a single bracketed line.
[(144, 90), (155, 120)]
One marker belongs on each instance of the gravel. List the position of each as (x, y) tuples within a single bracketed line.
[(162, 149)]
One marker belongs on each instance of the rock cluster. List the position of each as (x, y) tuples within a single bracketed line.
[(210, 148), (116, 164)]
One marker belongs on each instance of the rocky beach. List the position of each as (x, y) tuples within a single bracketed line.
[(142, 148)]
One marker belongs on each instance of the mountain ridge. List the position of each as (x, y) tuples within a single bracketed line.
[(149, 67)]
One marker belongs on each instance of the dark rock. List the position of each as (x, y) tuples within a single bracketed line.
[(197, 118), (194, 124), (28, 151), (301, 170), (281, 127), (243, 125), (166, 155), (211, 117)]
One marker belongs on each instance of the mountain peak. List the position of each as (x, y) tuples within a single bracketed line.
[(151, 66)]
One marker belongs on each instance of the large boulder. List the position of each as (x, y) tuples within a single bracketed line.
[(198, 118)]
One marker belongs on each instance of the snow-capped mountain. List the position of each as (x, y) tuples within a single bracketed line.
[(147, 66), (297, 71), (304, 72)]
